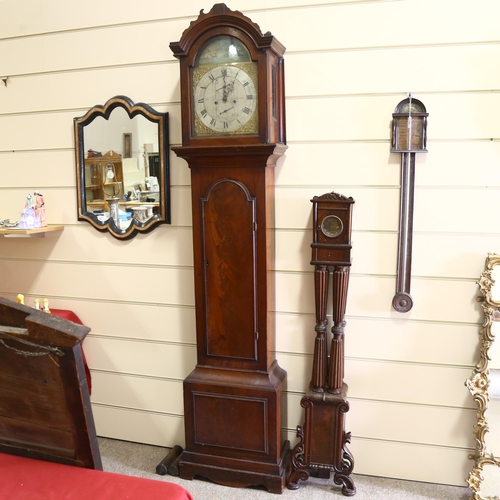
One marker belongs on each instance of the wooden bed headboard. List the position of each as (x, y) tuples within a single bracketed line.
[(45, 410)]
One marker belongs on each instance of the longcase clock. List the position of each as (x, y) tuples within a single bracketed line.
[(322, 448), (233, 133)]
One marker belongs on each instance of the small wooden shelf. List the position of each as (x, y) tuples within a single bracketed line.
[(13, 232)]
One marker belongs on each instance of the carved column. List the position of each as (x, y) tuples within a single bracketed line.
[(320, 360), (336, 368)]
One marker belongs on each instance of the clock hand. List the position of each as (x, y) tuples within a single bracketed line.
[(223, 86), (227, 88), (226, 110)]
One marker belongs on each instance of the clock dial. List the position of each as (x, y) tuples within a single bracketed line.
[(331, 226), (225, 100)]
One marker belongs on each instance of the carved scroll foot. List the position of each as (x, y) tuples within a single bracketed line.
[(342, 476), (300, 471)]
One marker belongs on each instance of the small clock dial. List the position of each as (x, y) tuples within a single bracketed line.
[(225, 98), (331, 226)]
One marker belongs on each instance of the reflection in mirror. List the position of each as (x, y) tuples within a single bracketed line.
[(122, 167), (484, 385)]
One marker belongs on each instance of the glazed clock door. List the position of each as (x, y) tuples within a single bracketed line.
[(229, 248)]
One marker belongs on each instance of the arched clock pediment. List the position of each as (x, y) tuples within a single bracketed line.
[(219, 15)]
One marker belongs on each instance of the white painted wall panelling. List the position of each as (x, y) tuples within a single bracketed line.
[(158, 429), (50, 168), (389, 421), (390, 381), (173, 248), (62, 16), (103, 282), (331, 163), (405, 371), (434, 464), (389, 339)]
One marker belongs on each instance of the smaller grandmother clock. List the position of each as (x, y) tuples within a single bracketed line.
[(233, 133), (322, 447)]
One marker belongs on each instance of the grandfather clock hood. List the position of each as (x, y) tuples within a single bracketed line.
[(262, 61)]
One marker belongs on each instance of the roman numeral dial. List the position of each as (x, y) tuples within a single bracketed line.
[(225, 100)]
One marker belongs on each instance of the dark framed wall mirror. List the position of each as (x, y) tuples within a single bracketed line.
[(122, 164)]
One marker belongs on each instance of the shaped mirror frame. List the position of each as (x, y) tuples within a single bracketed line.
[(162, 212), (481, 478)]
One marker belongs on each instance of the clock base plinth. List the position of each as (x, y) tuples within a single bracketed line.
[(322, 449), (223, 474), (233, 428)]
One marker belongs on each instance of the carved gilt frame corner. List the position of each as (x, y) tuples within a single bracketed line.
[(478, 383)]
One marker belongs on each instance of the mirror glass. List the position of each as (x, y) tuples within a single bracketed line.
[(122, 167), (484, 385)]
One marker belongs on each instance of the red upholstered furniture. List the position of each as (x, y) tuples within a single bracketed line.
[(71, 316), (46, 418), (28, 479)]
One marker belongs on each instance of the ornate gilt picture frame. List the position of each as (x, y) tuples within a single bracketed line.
[(478, 384)]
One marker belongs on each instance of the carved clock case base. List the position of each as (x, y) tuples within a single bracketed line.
[(322, 449), (233, 428)]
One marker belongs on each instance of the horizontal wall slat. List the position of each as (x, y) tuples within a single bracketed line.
[(57, 168), (340, 166), (392, 17), (389, 381), (331, 164), (370, 296), (154, 359), (130, 425), (351, 25), (140, 393), (345, 72), (167, 245), (388, 421), (131, 44), (126, 320), (435, 210), (369, 117), (431, 464), (19, 95), (434, 300), (388, 339), (102, 282), (54, 130), (58, 15), (42, 169), (434, 385), (373, 209), (434, 254)]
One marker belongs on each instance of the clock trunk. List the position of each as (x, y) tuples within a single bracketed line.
[(233, 398)]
